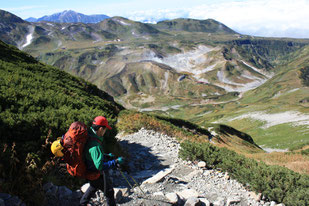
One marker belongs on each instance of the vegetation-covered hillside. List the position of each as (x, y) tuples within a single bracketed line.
[(37, 104)]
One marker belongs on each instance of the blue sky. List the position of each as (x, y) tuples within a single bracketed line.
[(277, 18)]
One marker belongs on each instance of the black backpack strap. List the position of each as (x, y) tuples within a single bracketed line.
[(96, 139)]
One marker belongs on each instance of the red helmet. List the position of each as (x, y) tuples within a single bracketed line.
[(101, 121)]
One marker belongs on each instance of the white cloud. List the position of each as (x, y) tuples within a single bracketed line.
[(157, 15), (278, 18)]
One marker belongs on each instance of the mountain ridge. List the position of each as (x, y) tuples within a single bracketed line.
[(193, 25), (69, 16)]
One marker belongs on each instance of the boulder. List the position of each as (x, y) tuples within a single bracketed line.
[(255, 196), (159, 176), (187, 193), (205, 201), (158, 194), (85, 187), (118, 194), (193, 201), (232, 201), (172, 197), (192, 174), (201, 164)]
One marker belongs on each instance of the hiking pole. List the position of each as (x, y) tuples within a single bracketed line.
[(125, 179), (133, 180), (137, 184)]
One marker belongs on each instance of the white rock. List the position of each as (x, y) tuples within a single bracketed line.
[(85, 187), (192, 174), (158, 194), (201, 164), (159, 176), (172, 197), (117, 194), (232, 201), (125, 192), (255, 196), (193, 201), (219, 202), (272, 203), (205, 201), (281, 204), (185, 194)]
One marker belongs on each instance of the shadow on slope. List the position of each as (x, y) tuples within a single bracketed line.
[(142, 163)]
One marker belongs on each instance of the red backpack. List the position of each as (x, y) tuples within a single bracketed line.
[(73, 143)]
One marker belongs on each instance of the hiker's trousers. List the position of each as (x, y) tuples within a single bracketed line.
[(98, 184)]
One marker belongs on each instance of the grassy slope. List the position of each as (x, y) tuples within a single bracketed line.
[(37, 104)]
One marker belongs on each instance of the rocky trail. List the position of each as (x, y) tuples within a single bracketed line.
[(164, 179)]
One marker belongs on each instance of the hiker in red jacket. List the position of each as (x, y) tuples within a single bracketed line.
[(96, 164), (95, 159)]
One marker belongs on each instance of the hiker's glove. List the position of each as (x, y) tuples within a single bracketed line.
[(120, 161), (122, 165)]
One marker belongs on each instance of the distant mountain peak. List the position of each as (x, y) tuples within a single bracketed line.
[(70, 16)]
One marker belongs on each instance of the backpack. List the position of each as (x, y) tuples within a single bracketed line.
[(73, 143)]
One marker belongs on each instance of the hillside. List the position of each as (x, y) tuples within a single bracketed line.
[(192, 25), (198, 70), (13, 30), (38, 103), (274, 112)]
